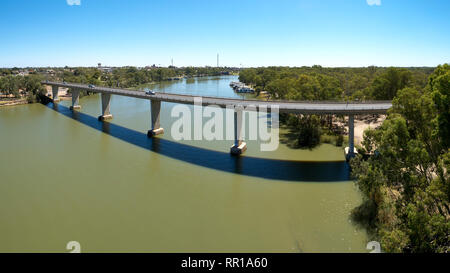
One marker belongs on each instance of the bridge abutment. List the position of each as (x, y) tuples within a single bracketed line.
[(106, 100), (55, 93), (75, 99), (239, 145), (155, 108)]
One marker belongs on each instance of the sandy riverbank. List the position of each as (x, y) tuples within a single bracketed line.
[(62, 93), (13, 102), (364, 122)]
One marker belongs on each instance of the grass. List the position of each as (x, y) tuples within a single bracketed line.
[(334, 139), (290, 138)]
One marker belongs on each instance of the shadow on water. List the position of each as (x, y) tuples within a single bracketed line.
[(222, 161)]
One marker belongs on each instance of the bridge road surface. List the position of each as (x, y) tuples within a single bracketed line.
[(301, 107)]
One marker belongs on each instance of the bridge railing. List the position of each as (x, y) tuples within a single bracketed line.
[(161, 95)]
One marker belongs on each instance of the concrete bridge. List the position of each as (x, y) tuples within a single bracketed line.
[(318, 107)]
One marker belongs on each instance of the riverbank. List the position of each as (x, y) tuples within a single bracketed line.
[(13, 102), (289, 134), (362, 123), (62, 93), (365, 122)]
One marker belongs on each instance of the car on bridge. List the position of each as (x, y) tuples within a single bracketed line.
[(91, 86), (149, 92)]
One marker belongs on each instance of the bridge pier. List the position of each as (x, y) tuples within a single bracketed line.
[(106, 114), (239, 145), (55, 91), (75, 99), (351, 137), (155, 108)]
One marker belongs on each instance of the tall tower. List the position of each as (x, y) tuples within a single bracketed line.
[(217, 59)]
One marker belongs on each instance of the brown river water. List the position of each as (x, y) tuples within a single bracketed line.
[(68, 177)]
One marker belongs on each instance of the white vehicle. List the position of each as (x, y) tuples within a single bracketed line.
[(149, 92)]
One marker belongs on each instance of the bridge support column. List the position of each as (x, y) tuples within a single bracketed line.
[(351, 137), (55, 91), (75, 99), (155, 108), (239, 145), (106, 114)]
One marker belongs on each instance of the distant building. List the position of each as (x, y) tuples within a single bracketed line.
[(104, 68), (151, 67), (24, 73)]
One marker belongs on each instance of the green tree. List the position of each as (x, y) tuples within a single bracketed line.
[(33, 87), (439, 85), (386, 85), (10, 85), (405, 182)]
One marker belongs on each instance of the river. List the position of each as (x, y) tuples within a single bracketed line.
[(68, 177)]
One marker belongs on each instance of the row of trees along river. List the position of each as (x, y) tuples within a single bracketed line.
[(14, 85)]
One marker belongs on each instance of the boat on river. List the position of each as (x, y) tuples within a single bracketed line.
[(240, 87)]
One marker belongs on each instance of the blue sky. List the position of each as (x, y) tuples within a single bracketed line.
[(244, 32)]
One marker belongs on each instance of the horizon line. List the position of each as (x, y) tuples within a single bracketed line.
[(238, 67)]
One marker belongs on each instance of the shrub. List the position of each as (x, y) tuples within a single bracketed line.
[(309, 131), (339, 140), (326, 139)]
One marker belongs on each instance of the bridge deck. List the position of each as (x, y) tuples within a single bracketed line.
[(351, 108)]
